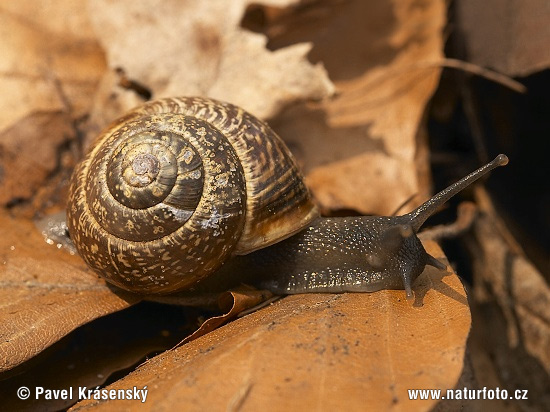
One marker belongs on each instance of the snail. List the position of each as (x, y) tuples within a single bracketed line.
[(182, 189)]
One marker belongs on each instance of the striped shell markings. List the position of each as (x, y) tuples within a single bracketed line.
[(171, 190)]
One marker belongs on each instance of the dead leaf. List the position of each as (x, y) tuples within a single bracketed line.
[(45, 293), (339, 182), (198, 48), (378, 55), (510, 36), (510, 306), (21, 152), (49, 63), (91, 354), (232, 303), (519, 288), (317, 351), (50, 66)]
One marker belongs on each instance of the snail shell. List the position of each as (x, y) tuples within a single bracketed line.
[(176, 186)]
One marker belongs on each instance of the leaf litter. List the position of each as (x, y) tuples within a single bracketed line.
[(378, 108)]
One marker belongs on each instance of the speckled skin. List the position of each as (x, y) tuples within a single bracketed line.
[(352, 254), (172, 189)]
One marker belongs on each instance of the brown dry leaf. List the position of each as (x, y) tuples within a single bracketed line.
[(519, 288), (509, 346), (50, 66), (511, 307), (232, 303), (178, 48), (45, 293), (93, 352), (317, 351), (383, 58), (25, 161), (511, 36)]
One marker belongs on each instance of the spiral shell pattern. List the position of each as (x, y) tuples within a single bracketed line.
[(172, 189)]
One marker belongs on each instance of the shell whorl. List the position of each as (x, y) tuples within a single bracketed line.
[(172, 189)]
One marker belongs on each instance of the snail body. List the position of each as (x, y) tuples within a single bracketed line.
[(177, 187), (350, 254)]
